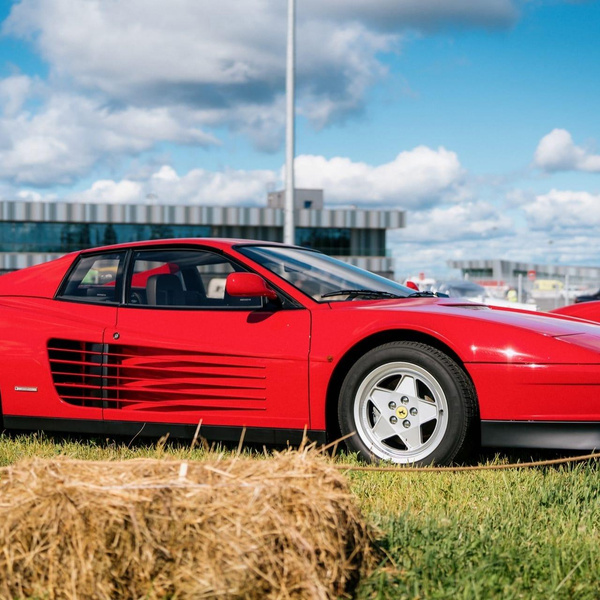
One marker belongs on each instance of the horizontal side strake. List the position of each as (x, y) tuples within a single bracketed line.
[(135, 378)]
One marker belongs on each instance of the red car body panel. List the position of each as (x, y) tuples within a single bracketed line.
[(582, 310), (27, 325), (228, 369), (273, 369), (40, 281)]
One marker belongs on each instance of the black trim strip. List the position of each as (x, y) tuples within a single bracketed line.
[(213, 433), (571, 435)]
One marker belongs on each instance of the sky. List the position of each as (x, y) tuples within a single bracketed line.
[(480, 118)]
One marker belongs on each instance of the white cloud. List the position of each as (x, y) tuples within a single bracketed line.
[(219, 57), (108, 191), (557, 152), (227, 58), (198, 186), (71, 134), (14, 91), (465, 221), (564, 211), (415, 179)]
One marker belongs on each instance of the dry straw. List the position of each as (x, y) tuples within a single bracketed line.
[(285, 527)]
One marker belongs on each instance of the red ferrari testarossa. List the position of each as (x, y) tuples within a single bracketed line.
[(270, 341)]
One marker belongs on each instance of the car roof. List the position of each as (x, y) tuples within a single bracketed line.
[(218, 243), (42, 280)]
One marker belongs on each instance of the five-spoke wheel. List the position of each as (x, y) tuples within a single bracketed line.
[(408, 403)]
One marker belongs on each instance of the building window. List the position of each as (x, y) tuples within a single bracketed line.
[(60, 238), (334, 241)]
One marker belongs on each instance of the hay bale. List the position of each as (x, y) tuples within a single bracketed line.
[(285, 527)]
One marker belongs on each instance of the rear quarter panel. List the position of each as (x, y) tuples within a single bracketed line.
[(26, 326), (40, 281)]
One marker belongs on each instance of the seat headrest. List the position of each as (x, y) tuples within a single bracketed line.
[(165, 290)]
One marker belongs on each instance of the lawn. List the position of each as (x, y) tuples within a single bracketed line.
[(531, 533)]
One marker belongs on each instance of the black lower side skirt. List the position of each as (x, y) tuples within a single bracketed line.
[(568, 435), (253, 435)]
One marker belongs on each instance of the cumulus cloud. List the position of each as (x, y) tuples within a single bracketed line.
[(415, 179), (557, 152), (14, 92), (459, 222), (228, 58), (564, 211), (71, 134), (198, 186), (136, 52)]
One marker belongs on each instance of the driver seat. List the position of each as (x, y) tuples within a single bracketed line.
[(165, 290)]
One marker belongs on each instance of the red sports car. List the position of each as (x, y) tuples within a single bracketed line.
[(269, 341)]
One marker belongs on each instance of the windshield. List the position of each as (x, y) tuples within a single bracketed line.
[(317, 275)]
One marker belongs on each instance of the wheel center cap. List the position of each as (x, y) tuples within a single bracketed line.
[(402, 412)]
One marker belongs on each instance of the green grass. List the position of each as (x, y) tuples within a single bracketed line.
[(531, 533), (497, 534)]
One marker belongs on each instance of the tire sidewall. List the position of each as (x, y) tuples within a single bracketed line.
[(439, 366)]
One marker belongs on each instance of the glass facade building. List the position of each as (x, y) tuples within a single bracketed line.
[(32, 232)]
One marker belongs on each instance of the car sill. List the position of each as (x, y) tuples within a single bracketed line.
[(260, 435), (567, 435)]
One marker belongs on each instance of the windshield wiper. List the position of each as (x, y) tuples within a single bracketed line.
[(365, 293)]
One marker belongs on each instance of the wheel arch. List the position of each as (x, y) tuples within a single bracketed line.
[(360, 348)]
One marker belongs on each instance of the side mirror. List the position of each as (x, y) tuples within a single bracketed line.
[(248, 285)]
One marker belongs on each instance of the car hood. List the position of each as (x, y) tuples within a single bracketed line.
[(547, 323), (479, 333)]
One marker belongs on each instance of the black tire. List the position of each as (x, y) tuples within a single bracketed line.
[(407, 402)]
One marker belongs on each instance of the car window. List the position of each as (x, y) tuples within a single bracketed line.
[(183, 279), (94, 279)]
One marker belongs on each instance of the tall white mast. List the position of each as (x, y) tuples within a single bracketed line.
[(288, 213)]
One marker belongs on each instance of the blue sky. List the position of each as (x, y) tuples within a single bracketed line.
[(478, 118)]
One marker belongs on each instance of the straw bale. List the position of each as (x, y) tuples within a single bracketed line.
[(284, 527)]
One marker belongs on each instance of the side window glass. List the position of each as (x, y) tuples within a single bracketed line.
[(214, 278), (94, 279), (183, 279)]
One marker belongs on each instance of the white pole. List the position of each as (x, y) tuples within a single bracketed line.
[(288, 213)]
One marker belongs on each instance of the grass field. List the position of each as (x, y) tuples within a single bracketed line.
[(531, 533)]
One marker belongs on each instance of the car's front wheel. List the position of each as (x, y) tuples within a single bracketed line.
[(407, 402)]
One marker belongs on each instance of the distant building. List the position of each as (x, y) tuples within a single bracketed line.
[(509, 271), (549, 286), (33, 232), (303, 199)]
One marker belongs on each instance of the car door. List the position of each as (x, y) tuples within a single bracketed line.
[(182, 352)]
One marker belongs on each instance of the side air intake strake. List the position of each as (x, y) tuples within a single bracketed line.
[(77, 371), (145, 378)]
